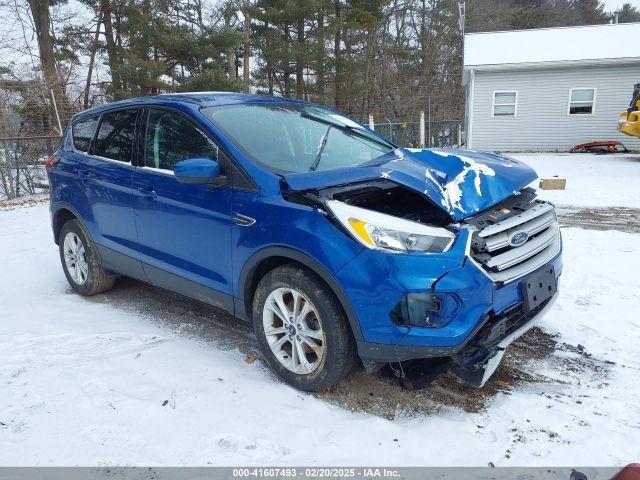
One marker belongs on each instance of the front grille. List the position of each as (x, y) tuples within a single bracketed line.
[(492, 245)]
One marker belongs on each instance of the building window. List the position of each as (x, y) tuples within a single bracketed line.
[(504, 104), (582, 101)]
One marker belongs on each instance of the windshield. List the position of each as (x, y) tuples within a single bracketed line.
[(297, 138)]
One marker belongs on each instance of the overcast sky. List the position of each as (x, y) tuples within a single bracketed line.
[(615, 4)]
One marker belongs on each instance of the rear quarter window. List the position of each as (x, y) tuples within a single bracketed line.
[(82, 132)]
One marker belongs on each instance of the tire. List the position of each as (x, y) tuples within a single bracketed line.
[(324, 324), (80, 261)]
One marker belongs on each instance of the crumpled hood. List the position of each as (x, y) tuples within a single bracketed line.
[(461, 182)]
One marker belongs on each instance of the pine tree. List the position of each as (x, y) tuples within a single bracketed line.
[(628, 14)]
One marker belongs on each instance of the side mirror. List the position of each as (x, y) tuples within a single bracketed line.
[(198, 171)]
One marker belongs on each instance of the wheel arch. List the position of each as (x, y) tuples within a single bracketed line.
[(269, 258), (61, 215)]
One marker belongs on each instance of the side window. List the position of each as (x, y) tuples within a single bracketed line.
[(115, 136), (82, 133), (172, 137)]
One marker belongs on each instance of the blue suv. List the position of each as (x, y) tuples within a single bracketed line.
[(339, 246)]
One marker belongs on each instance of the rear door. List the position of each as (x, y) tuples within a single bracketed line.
[(107, 176), (184, 230), (71, 172)]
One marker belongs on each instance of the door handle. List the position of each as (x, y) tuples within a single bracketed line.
[(148, 192)]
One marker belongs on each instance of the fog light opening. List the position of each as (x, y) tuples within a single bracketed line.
[(424, 309)]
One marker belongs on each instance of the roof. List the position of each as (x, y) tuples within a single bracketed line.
[(591, 44), (192, 99)]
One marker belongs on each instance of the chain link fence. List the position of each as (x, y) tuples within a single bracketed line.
[(22, 165), (29, 134), (438, 133)]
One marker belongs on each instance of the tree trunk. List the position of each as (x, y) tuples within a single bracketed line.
[(41, 22), (247, 47), (112, 51), (337, 52), (320, 54), (268, 59), (92, 59), (198, 5), (368, 80), (287, 64), (231, 51), (300, 51)]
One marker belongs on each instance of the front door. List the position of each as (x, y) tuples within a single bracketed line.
[(184, 230)]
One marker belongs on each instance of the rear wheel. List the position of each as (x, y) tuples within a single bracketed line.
[(301, 329), (80, 261)]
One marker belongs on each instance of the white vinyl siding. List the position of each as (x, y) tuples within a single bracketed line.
[(505, 104), (542, 122), (582, 101)]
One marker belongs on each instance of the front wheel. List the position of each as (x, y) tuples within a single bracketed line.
[(302, 329)]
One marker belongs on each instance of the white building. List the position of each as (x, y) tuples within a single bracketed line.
[(549, 89)]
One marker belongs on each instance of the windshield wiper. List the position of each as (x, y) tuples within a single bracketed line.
[(359, 131), (323, 142)]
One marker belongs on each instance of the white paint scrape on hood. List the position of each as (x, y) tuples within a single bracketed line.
[(472, 171)]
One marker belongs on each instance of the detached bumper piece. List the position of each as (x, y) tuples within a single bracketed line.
[(610, 146), (480, 357)]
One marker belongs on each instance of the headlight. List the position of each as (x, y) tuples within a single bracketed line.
[(385, 232)]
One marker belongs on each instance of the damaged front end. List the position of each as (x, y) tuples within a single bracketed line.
[(480, 357), (459, 256), (459, 182)]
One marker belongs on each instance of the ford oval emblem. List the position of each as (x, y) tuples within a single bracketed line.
[(518, 238)]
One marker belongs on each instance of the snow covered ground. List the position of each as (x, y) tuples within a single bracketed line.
[(94, 382), (592, 180)]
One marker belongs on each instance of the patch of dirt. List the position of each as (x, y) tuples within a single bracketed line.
[(24, 202), (378, 394), (181, 315), (381, 394), (611, 218)]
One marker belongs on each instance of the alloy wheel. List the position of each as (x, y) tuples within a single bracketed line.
[(75, 258), (293, 330)]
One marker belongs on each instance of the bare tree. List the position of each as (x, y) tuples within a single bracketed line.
[(41, 16)]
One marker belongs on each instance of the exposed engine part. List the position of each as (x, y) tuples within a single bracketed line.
[(381, 196)]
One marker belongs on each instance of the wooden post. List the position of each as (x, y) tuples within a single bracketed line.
[(55, 107)]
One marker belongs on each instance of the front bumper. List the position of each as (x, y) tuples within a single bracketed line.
[(482, 301), (476, 373)]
